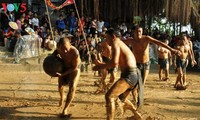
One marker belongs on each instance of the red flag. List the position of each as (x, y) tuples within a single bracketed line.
[(67, 2)]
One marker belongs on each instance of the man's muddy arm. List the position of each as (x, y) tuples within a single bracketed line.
[(75, 65), (191, 57), (114, 62), (127, 41), (170, 58), (157, 42), (192, 54)]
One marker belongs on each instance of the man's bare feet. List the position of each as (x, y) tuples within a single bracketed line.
[(181, 87), (99, 90), (137, 116), (97, 82), (65, 115), (108, 86), (166, 79), (120, 105)]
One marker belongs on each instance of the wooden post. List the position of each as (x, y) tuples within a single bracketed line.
[(47, 10), (82, 6), (82, 30)]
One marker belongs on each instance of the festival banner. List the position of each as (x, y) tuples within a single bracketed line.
[(67, 2)]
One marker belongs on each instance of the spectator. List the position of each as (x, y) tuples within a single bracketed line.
[(60, 23), (87, 25), (11, 16), (35, 22), (81, 24), (29, 18), (9, 34), (19, 22), (18, 49), (93, 27), (128, 33), (123, 27), (72, 23), (100, 25)]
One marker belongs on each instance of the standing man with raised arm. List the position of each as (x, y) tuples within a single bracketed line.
[(140, 48)]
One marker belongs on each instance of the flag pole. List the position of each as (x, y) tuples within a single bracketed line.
[(82, 30), (47, 10)]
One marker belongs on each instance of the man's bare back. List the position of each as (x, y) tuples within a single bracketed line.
[(106, 50), (124, 58)]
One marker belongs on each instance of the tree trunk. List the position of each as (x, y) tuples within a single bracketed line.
[(82, 7), (197, 32), (149, 22)]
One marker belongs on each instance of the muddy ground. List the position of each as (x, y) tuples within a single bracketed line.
[(34, 96)]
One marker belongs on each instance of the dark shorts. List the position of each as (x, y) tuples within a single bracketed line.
[(163, 63), (105, 59), (131, 76), (110, 70), (142, 67), (181, 64), (64, 80)]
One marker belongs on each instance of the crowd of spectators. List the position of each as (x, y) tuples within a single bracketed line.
[(69, 25)]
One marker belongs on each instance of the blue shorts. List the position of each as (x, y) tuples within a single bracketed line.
[(163, 63), (181, 64)]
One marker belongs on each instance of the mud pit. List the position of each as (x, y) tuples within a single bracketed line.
[(33, 95)]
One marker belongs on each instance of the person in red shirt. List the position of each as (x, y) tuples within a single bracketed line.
[(81, 24), (7, 36)]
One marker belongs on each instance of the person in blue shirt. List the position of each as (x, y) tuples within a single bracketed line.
[(60, 23), (72, 23)]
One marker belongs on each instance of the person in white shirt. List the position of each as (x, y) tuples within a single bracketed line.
[(93, 27), (35, 22), (123, 27), (100, 25)]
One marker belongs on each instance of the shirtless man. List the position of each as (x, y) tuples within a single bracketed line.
[(106, 56), (124, 58), (140, 47), (181, 61), (189, 42), (164, 60), (70, 76)]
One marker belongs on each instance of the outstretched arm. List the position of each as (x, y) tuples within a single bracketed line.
[(170, 58), (157, 42), (127, 41)]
